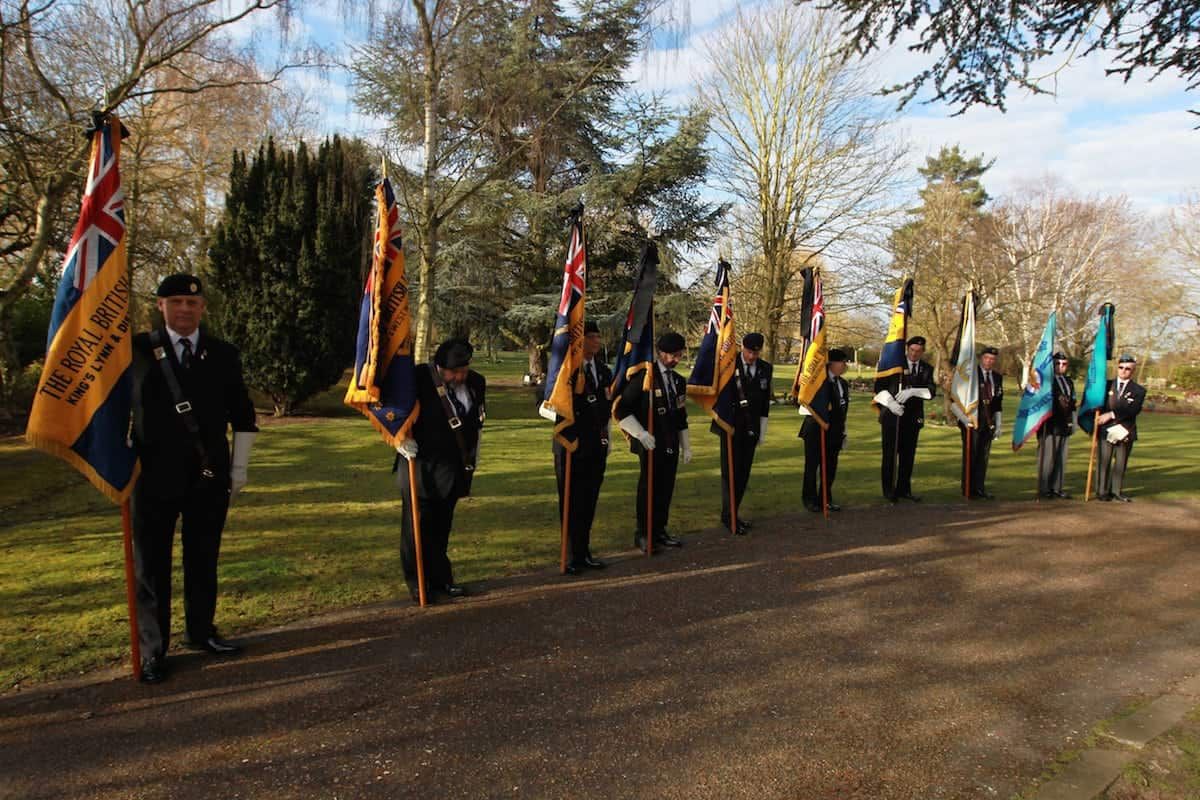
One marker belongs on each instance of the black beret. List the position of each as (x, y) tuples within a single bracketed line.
[(990, 351), (453, 354), (174, 285), (916, 340), (670, 342), (1126, 359), (1060, 356), (837, 355), (753, 341), (590, 327)]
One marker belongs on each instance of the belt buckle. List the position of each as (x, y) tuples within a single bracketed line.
[(455, 423), (670, 451), (743, 403), (591, 398), (661, 411), (468, 467), (183, 408)]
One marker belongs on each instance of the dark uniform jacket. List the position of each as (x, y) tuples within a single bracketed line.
[(1062, 408), (836, 408), (914, 409), (214, 386), (989, 410), (591, 415), (437, 442), (669, 419), (757, 393), (1125, 407)]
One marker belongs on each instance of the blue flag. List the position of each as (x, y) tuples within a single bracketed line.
[(711, 383), (564, 378), (1096, 389), (1037, 398)]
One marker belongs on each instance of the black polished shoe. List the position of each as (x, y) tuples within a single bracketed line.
[(214, 644), (573, 569), (1106, 498), (815, 507), (454, 590), (740, 529), (910, 496), (891, 498), (665, 539), (745, 523), (1124, 498), (1047, 495), (594, 563), (834, 507), (1063, 495), (984, 496), (154, 670)]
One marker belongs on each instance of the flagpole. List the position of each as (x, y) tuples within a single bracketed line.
[(650, 470), (967, 462), (1087, 492), (416, 520), (824, 478), (733, 523), (131, 590), (566, 514)]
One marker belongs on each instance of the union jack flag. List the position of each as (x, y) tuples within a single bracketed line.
[(81, 410), (812, 375), (711, 382), (382, 386), (564, 379)]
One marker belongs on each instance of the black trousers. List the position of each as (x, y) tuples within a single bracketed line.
[(899, 451), (1114, 458), (1052, 460), (666, 465), (437, 495), (203, 510), (812, 466), (743, 459), (587, 474), (981, 452)]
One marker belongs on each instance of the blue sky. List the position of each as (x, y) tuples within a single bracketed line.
[(1096, 136)]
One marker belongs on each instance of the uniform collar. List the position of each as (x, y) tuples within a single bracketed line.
[(193, 337)]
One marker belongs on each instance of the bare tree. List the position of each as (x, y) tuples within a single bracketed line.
[(1185, 242), (800, 143), (61, 62)]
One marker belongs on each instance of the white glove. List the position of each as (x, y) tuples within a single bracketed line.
[(546, 411), (408, 449), (997, 425), (920, 392), (963, 418), (762, 428), (886, 400), (896, 408), (242, 442), (685, 445), (634, 428)]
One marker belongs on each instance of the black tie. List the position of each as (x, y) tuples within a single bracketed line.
[(667, 383), (591, 375), (459, 410), (185, 359)]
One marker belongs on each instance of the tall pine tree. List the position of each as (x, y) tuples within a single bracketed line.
[(288, 257)]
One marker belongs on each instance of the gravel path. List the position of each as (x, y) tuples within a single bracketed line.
[(910, 652)]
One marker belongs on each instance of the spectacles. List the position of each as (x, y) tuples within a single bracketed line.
[(1125, 367)]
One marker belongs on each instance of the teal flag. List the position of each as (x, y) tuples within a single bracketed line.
[(1037, 398), (1096, 389)]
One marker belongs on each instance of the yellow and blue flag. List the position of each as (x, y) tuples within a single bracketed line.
[(637, 347), (812, 384), (1095, 391), (892, 356), (566, 348), (964, 385), (711, 383), (1037, 399), (382, 385), (81, 410)]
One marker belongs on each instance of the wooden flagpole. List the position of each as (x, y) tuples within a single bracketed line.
[(416, 519), (131, 590), (732, 495), (1087, 492), (650, 467), (824, 478), (967, 462), (566, 514)]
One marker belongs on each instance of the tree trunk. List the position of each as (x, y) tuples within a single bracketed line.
[(428, 222)]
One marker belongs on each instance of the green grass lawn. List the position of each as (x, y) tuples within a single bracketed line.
[(318, 527)]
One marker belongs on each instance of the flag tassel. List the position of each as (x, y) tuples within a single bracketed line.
[(131, 590)]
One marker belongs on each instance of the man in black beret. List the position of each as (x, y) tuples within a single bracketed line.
[(1118, 430), (666, 400), (901, 419), (188, 391), (752, 395), (444, 448), (590, 433), (1055, 432), (991, 401), (837, 405)]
